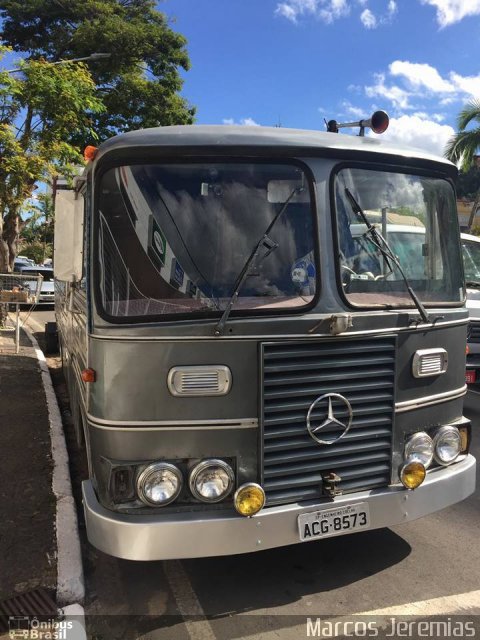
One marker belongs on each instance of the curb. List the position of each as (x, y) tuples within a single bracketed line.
[(75, 618), (70, 580)]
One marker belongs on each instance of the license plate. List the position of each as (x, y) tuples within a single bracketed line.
[(333, 522), (470, 376)]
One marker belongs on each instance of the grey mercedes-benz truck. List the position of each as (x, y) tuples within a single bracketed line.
[(245, 373)]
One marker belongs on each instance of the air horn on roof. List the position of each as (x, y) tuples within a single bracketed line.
[(378, 123)]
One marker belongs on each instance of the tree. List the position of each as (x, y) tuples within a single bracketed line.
[(462, 148), (468, 183), (37, 228), (41, 107), (466, 142), (139, 83)]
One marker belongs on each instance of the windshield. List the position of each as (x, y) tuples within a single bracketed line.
[(174, 238), (417, 217), (471, 260), (46, 273)]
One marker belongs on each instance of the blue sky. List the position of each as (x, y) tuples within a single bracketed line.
[(296, 62)]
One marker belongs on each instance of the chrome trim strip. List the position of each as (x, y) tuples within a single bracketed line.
[(172, 425), (292, 336), (426, 401)]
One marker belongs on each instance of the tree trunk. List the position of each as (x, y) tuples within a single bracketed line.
[(11, 230), (3, 250), (473, 213)]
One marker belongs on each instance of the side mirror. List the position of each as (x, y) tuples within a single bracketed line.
[(68, 244)]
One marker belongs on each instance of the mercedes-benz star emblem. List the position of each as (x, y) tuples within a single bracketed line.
[(330, 420)]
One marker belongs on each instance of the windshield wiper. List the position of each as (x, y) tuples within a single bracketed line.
[(384, 248), (473, 284), (270, 246)]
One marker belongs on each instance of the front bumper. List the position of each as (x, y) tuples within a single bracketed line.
[(194, 535)]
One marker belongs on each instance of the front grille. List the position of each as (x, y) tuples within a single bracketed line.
[(474, 331), (297, 373)]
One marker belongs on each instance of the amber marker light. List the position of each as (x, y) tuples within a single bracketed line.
[(464, 439), (249, 499), (89, 375), (89, 153), (412, 474)]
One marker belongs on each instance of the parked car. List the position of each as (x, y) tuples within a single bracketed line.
[(405, 240), (20, 263), (26, 260), (47, 291), (471, 265)]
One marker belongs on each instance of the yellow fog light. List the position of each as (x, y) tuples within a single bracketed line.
[(249, 499), (412, 474)]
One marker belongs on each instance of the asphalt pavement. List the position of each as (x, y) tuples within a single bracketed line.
[(427, 567)]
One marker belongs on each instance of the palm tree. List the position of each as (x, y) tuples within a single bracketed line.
[(463, 147)]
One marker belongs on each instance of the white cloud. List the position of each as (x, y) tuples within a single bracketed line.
[(330, 10), (468, 84), (399, 97), (353, 111), (451, 11), (326, 10), (246, 122), (368, 19), (392, 7), (334, 9), (421, 75), (437, 117), (287, 11), (419, 82), (419, 131)]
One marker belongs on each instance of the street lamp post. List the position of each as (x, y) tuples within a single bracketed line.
[(93, 57)]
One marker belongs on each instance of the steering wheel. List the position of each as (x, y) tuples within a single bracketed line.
[(346, 274)]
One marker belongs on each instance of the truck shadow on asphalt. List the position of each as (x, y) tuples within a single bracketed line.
[(276, 577), (260, 583), (269, 579)]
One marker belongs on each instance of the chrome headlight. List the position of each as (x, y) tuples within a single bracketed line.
[(447, 444), (420, 447), (211, 480), (159, 484)]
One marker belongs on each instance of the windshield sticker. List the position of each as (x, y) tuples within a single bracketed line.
[(303, 274), (177, 274), (157, 248)]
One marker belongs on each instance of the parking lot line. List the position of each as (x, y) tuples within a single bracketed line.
[(187, 601), (461, 603)]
